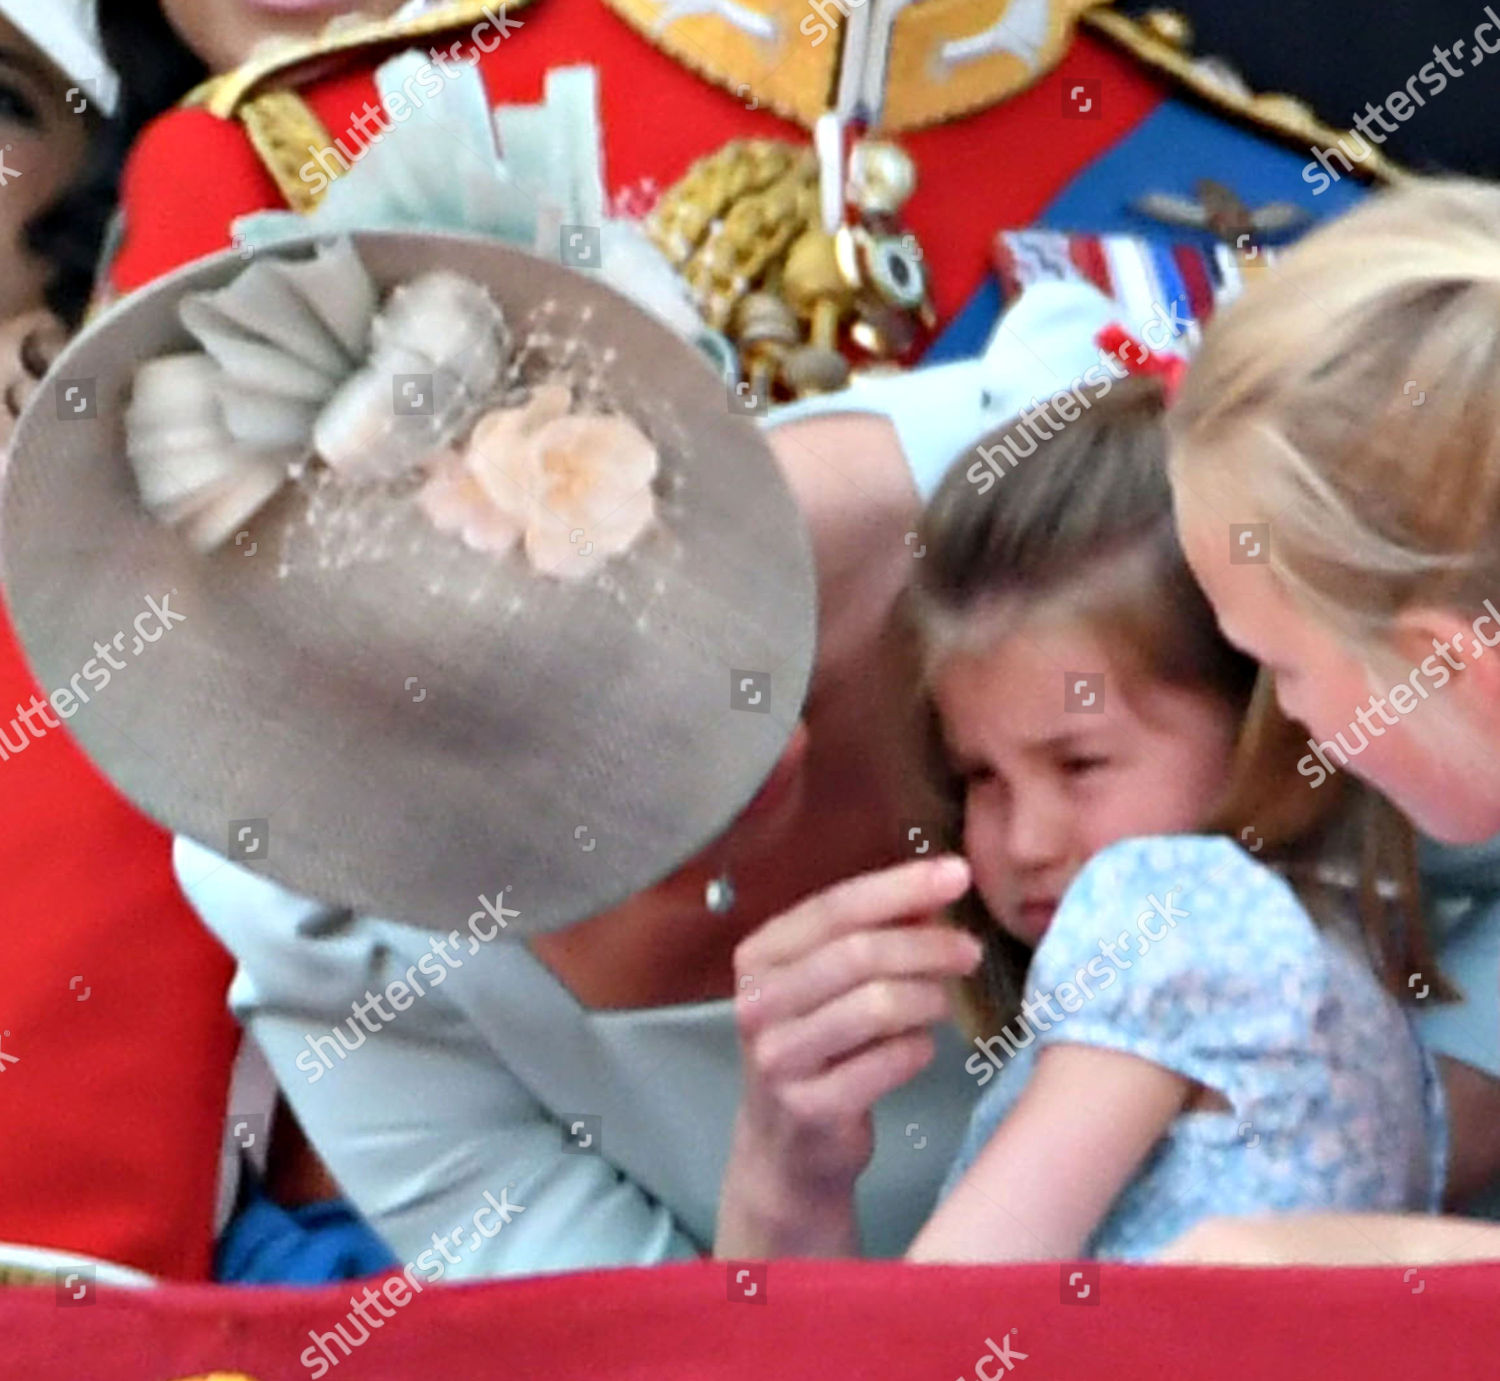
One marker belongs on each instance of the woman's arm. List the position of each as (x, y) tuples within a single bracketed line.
[(419, 1126), (846, 987), (421, 1120), (1084, 1124)]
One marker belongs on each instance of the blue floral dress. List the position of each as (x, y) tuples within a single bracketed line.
[(1188, 953)]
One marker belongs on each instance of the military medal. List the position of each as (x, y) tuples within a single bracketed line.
[(798, 255)]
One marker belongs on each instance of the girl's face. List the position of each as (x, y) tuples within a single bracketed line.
[(1429, 739), (42, 145), (224, 33), (1063, 755)]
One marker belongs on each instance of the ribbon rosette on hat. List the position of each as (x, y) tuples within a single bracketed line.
[(302, 366), (571, 543), (298, 362)]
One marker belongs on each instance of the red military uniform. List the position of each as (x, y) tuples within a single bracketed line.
[(194, 171), (115, 1044)]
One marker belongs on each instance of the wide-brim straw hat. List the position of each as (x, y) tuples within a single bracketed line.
[(404, 725)]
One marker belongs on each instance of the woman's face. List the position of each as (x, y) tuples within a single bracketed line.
[(1427, 734), (224, 33), (43, 140)]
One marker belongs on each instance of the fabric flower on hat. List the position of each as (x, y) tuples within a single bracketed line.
[(573, 489), (300, 359)]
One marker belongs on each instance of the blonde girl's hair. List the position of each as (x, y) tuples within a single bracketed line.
[(1085, 526), (1351, 397)]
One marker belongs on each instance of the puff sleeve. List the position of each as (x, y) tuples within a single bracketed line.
[(1188, 953)]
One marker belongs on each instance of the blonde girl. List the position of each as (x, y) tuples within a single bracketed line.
[(1347, 407)]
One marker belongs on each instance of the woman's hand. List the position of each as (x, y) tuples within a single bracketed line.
[(28, 345), (834, 1001)]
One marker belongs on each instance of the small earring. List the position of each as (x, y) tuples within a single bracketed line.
[(718, 896)]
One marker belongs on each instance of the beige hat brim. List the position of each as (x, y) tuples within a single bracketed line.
[(407, 734)]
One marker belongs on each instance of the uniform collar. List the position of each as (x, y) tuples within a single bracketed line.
[(892, 64)]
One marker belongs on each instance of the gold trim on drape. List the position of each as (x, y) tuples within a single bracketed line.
[(1283, 116)]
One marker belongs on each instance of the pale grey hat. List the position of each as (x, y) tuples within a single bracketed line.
[(365, 709)]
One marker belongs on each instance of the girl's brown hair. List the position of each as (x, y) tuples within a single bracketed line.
[(1085, 525)]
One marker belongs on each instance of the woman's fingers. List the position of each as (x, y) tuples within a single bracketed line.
[(834, 1000), (851, 1088), (872, 899), (853, 962), (835, 1031)]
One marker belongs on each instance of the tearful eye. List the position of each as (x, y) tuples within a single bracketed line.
[(896, 270)]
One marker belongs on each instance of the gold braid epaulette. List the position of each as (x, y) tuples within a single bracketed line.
[(1153, 44), (280, 125), (282, 129)]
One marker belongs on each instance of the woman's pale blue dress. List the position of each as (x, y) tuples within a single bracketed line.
[(475, 1087)]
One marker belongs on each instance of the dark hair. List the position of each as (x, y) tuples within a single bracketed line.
[(156, 70), (1086, 520)]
